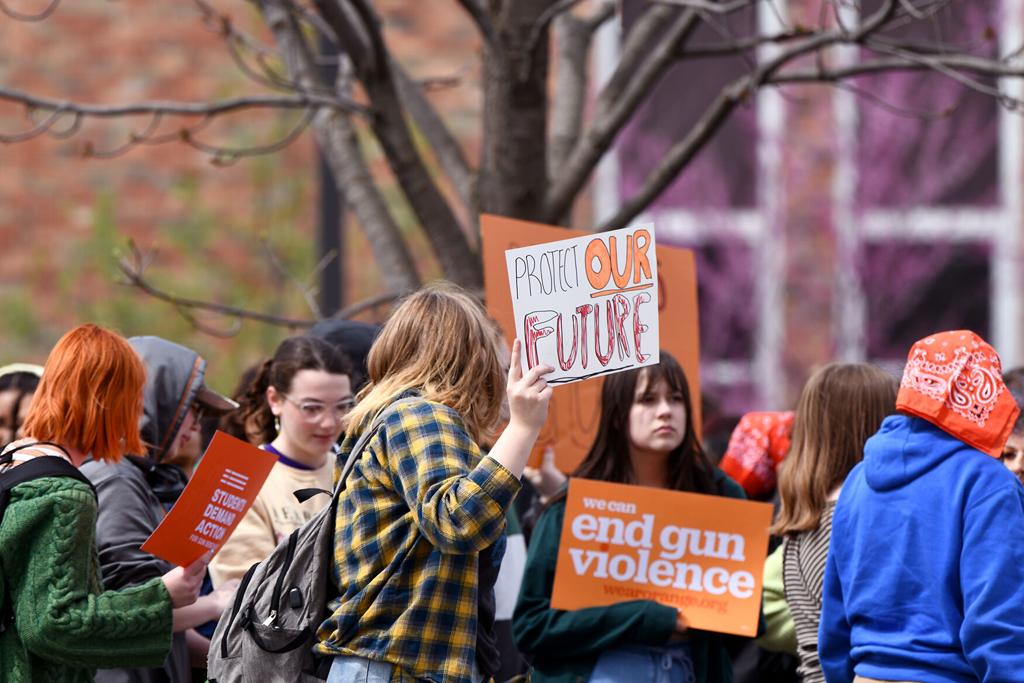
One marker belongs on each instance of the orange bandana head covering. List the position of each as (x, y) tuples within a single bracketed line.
[(953, 380), (756, 447)]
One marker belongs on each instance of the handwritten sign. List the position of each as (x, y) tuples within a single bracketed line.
[(587, 306), (574, 408), (221, 491), (703, 555)]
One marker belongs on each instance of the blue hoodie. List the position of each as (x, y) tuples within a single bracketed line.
[(925, 573)]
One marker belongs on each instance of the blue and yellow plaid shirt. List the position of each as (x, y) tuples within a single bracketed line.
[(419, 505)]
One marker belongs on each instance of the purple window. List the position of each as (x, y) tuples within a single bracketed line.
[(925, 140)]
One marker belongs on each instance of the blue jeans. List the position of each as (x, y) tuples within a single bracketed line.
[(645, 664), (361, 670)]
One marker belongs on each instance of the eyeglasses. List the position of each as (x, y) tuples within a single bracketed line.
[(315, 410)]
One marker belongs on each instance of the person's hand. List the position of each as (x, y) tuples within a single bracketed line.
[(224, 594), (183, 583), (529, 394), (682, 627), (547, 479)]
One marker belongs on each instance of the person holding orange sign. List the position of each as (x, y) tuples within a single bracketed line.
[(645, 437), (56, 621)]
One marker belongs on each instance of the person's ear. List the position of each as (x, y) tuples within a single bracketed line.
[(275, 400)]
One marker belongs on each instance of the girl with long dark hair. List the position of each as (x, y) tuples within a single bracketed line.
[(646, 437)]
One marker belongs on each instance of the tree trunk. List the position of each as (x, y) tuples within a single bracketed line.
[(514, 178)]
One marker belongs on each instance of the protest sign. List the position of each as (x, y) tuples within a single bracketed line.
[(221, 491), (701, 554), (574, 409), (605, 286)]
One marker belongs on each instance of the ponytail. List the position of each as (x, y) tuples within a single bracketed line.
[(252, 421)]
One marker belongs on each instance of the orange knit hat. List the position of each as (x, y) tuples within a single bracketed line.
[(953, 380), (756, 447)]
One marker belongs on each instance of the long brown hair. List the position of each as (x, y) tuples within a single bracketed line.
[(608, 458), (439, 342), (90, 395), (840, 407)]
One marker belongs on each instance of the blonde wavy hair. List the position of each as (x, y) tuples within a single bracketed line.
[(440, 342)]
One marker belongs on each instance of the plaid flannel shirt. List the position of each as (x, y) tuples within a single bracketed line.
[(419, 505)]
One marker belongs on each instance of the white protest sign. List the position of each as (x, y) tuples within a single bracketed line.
[(587, 306)]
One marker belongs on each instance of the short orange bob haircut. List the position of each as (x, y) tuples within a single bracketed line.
[(90, 396)]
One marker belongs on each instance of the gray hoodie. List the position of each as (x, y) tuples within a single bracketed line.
[(133, 492)]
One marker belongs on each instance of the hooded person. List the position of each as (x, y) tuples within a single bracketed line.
[(756, 448), (133, 493), (924, 579)]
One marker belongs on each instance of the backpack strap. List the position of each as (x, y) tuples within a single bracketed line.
[(305, 494), (364, 439), (36, 468)]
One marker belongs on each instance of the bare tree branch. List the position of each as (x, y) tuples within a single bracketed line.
[(708, 6), (134, 264), (373, 69), (338, 141), (967, 63), (442, 142), (741, 89), (573, 37), (545, 19), (741, 45), (639, 69), (306, 287), (182, 108)]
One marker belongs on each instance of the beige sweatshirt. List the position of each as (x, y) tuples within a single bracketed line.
[(274, 515)]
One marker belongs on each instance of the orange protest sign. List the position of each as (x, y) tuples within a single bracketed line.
[(701, 554), (219, 494), (575, 408)]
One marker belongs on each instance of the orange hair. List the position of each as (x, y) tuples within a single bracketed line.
[(90, 396)]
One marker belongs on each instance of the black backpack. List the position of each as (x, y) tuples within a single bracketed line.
[(36, 468), (269, 633)]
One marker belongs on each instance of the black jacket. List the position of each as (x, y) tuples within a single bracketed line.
[(132, 493)]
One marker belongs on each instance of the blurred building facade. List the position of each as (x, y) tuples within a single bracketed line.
[(838, 223)]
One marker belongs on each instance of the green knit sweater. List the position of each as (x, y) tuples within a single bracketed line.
[(64, 626)]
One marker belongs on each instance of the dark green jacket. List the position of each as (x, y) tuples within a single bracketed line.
[(65, 626), (566, 644)]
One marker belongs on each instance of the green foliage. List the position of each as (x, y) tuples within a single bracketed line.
[(201, 253)]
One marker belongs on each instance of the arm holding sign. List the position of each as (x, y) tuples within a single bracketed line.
[(460, 498), (528, 397)]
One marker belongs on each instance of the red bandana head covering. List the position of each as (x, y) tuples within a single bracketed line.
[(953, 380), (756, 447)]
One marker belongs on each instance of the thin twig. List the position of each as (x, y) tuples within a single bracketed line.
[(185, 108)]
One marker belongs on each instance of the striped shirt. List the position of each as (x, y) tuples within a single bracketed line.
[(803, 572), (419, 507)]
